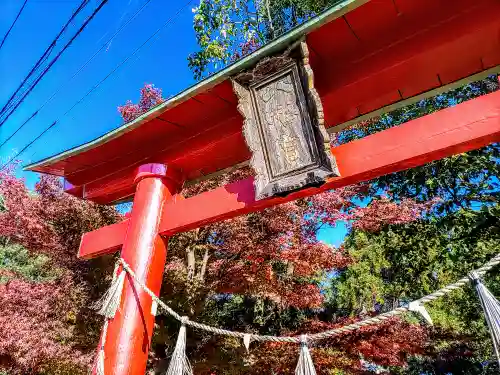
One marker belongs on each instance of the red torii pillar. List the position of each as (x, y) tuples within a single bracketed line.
[(129, 332)]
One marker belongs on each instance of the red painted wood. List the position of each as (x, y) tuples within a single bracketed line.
[(376, 54), (69, 188), (108, 239), (451, 49), (102, 241), (462, 128), (155, 148), (119, 183), (383, 19), (129, 332)]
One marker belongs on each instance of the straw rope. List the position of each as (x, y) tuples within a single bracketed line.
[(316, 336)]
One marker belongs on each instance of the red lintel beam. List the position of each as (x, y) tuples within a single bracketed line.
[(467, 126)]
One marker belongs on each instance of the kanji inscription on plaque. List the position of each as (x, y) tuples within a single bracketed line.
[(277, 104)]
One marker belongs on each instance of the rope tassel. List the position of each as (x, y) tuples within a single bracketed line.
[(305, 365), (110, 301), (179, 364), (99, 367), (491, 308), (100, 363)]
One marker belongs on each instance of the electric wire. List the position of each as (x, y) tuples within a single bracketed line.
[(45, 55), (168, 21), (13, 24), (80, 30), (62, 86)]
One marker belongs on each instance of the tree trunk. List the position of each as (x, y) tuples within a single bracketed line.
[(203, 269), (191, 257), (191, 263)]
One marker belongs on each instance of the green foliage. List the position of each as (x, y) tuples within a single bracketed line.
[(463, 365), (227, 30), (360, 287), (2, 208), (239, 311), (221, 26), (397, 263), (402, 263), (16, 261), (390, 266), (45, 294)]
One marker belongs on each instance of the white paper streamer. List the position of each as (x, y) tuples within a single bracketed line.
[(305, 365), (415, 306), (246, 341)]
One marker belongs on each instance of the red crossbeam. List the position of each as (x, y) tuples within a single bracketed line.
[(102, 241), (462, 128)]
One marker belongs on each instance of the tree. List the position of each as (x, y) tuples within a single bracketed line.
[(465, 180), (44, 290), (227, 30), (396, 264), (387, 257), (150, 97), (388, 264), (401, 263), (267, 268), (264, 273)]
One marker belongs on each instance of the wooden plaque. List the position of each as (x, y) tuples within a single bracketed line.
[(283, 128)]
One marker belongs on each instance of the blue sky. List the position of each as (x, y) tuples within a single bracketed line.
[(333, 236), (162, 62)]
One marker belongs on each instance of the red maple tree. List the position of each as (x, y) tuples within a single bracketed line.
[(272, 256), (150, 97), (275, 256), (45, 323)]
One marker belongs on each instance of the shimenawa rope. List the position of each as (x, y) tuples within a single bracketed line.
[(179, 364), (316, 336)]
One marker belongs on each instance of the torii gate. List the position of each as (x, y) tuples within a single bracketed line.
[(368, 57)]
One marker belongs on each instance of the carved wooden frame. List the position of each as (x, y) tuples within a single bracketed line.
[(314, 162)]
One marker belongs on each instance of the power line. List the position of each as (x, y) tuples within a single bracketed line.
[(45, 55), (84, 25), (87, 21), (76, 73), (169, 20), (13, 23), (19, 128), (47, 52)]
